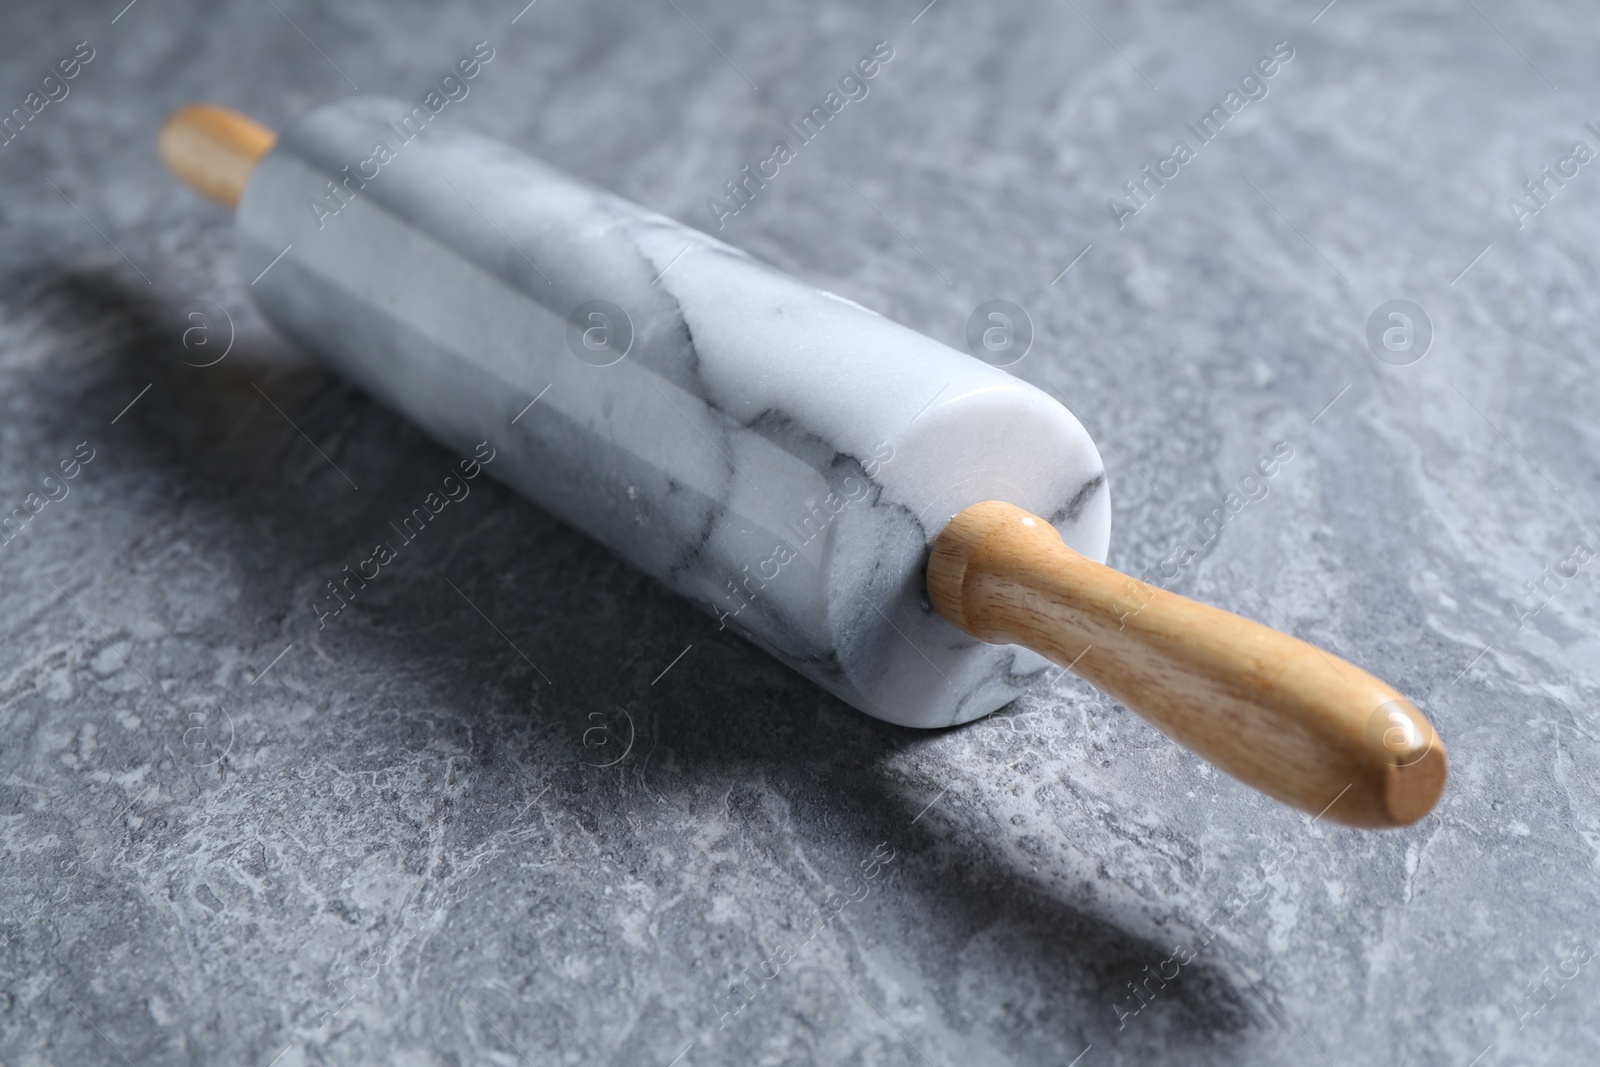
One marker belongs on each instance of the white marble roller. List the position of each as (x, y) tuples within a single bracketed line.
[(777, 454), (897, 521)]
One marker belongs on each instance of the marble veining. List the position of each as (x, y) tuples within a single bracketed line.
[(227, 836), (747, 405)]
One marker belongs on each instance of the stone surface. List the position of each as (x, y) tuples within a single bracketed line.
[(392, 844), (776, 454)]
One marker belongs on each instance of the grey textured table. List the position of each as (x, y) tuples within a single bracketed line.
[(229, 837)]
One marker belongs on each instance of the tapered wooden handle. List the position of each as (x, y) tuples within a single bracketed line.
[(1295, 722), (213, 150)]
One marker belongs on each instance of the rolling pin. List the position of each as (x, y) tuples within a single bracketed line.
[(916, 531)]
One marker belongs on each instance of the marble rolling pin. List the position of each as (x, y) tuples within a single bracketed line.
[(886, 515)]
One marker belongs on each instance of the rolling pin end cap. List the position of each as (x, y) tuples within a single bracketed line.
[(1411, 791), (1403, 762), (213, 150)]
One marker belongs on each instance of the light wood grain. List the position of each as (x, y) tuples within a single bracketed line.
[(213, 150), (1295, 722)]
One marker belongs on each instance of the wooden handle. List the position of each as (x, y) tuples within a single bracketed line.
[(1293, 721), (213, 150)]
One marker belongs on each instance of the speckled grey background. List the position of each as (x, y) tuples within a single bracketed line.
[(227, 837)]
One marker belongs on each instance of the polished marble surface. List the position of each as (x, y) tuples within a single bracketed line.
[(227, 836)]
